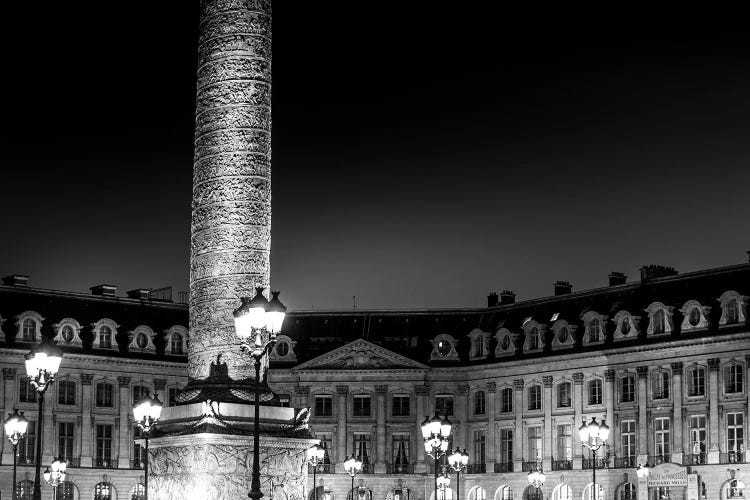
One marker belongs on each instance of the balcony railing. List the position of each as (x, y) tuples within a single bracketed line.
[(528, 466), (26, 460), (73, 462), (590, 463), (733, 457), (368, 468), (137, 464), (625, 462), (476, 468), (322, 469), (562, 465), (695, 459), (503, 466), (658, 459), (399, 468), (105, 463)]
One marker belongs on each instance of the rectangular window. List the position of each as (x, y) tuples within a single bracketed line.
[(506, 446), (103, 445), (627, 389), (26, 391), (479, 446), (361, 407), (400, 405), (66, 392), (660, 381), (65, 440), (698, 438), (444, 406), (506, 397), (595, 392), (662, 446), (535, 444), (627, 438), (139, 452), (104, 395), (172, 396), (479, 403), (362, 446), (324, 405), (27, 446), (733, 378), (535, 397), (139, 392), (400, 452), (735, 437), (563, 395), (697, 382), (564, 442)]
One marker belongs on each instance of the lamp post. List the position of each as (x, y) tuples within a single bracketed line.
[(257, 322), (593, 436), (435, 433), (536, 477), (353, 466), (458, 461), (15, 429), (56, 476), (42, 364), (146, 413), (443, 481), (315, 456)]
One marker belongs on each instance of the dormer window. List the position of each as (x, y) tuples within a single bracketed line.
[(29, 325), (141, 339), (563, 334), (444, 348), (105, 331), (695, 316), (594, 324), (479, 344), (659, 322), (175, 338), (660, 319), (29, 330), (284, 349), (105, 337), (733, 308), (534, 336), (505, 344), (67, 332)]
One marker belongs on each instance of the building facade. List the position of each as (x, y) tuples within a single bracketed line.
[(664, 361)]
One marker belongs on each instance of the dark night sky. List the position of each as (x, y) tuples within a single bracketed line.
[(424, 153)]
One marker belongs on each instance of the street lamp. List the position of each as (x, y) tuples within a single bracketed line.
[(15, 429), (593, 436), (536, 477), (56, 476), (642, 471), (255, 319), (146, 413), (353, 466), (315, 456), (443, 481), (435, 433), (458, 461), (42, 364)]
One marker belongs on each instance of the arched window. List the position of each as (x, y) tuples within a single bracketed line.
[(562, 492), (564, 390), (28, 329), (66, 491), (67, 333), (103, 491), (595, 391), (175, 343), (478, 493), (736, 489), (444, 347), (733, 308), (696, 381), (282, 349), (626, 491), (532, 493), (588, 492), (138, 492), (504, 493), (25, 490), (479, 403), (105, 340)]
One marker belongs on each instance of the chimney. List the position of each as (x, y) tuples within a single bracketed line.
[(653, 272), (616, 278), (104, 290), (507, 297), (492, 299), (139, 293), (563, 288), (16, 280)]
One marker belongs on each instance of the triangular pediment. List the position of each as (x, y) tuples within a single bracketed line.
[(361, 355)]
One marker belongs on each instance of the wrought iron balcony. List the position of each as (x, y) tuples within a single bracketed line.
[(399, 468), (658, 459), (137, 464), (562, 465), (476, 468), (733, 457), (625, 462), (322, 469), (528, 466), (503, 466), (73, 462), (589, 463), (368, 468), (694, 459), (105, 463)]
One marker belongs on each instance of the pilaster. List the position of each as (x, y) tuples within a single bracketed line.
[(518, 432), (461, 433), (9, 398), (547, 405), (87, 434), (609, 399), (642, 456), (491, 444), (677, 421), (713, 411), (422, 392), (342, 394), (122, 424), (380, 393), (577, 419)]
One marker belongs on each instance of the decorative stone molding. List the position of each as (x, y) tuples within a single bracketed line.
[(360, 355), (141, 339), (463, 389), (491, 386), (733, 308), (381, 389), (36, 318), (342, 389), (563, 335), (9, 373), (507, 343), (518, 384), (302, 390), (68, 332), (609, 375), (677, 366), (626, 326), (642, 371), (578, 378), (547, 380), (713, 364), (655, 311), (86, 378), (283, 350), (123, 382), (422, 390), (444, 348), (694, 316), (595, 328), (176, 340), (96, 327), (160, 384), (480, 344)]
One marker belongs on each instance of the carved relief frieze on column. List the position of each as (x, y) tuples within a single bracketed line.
[(491, 386), (518, 384), (609, 376)]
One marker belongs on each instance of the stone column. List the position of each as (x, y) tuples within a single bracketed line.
[(713, 411), (9, 393), (518, 431), (231, 209), (342, 393), (642, 456), (577, 419), (547, 405), (87, 436), (381, 391), (491, 438), (609, 399), (124, 423), (677, 421), (461, 431), (48, 435), (422, 392), (302, 394)]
